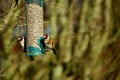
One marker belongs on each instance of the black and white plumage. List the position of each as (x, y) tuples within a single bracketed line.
[(22, 41)]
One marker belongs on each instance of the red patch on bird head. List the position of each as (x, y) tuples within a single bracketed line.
[(45, 35)]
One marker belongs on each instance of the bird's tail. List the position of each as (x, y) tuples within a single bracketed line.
[(16, 3), (31, 58), (54, 51)]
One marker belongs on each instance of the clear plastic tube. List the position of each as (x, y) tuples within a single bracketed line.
[(34, 21)]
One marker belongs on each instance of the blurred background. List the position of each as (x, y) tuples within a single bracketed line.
[(86, 34)]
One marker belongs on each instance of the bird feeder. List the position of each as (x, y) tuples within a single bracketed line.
[(34, 14)]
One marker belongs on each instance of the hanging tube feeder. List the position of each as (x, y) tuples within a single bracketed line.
[(34, 9)]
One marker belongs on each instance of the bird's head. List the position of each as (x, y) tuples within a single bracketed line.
[(20, 39), (46, 36)]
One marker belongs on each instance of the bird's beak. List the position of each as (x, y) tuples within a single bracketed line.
[(18, 38), (44, 37)]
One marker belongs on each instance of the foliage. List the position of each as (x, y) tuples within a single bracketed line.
[(87, 37)]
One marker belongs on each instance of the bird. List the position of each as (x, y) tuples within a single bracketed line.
[(49, 43), (22, 42), (16, 3)]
